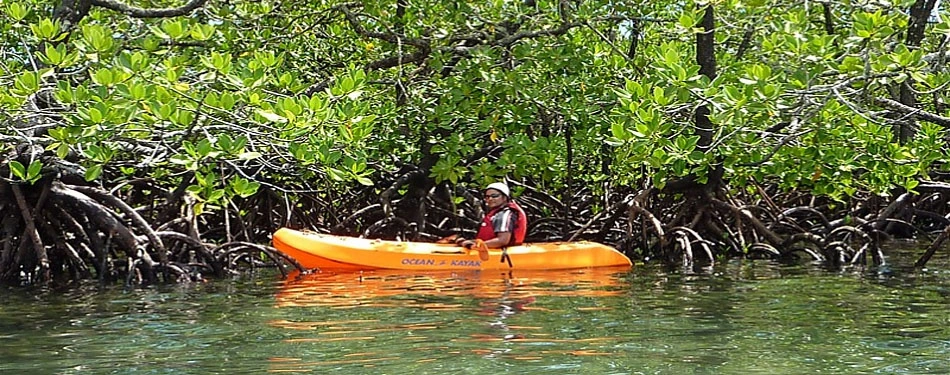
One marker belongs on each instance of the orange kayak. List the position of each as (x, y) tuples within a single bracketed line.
[(316, 250)]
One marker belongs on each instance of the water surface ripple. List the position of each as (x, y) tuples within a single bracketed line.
[(738, 317)]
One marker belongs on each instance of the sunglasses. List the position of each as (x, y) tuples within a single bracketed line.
[(492, 196)]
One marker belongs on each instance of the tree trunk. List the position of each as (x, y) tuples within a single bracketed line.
[(706, 58), (919, 13)]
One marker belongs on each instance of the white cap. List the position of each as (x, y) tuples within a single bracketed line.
[(500, 186)]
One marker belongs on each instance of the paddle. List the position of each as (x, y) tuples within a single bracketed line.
[(482, 249), (478, 245)]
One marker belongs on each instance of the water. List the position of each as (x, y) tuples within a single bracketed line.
[(735, 318)]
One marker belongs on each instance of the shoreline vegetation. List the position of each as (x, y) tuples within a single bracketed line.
[(163, 145)]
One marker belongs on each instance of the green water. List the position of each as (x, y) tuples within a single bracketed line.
[(739, 317)]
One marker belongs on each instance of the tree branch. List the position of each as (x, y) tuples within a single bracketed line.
[(390, 37), (137, 219), (137, 12), (908, 110)]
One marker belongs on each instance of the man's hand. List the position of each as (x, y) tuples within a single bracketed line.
[(464, 243)]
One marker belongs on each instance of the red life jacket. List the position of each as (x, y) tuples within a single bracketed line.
[(487, 230)]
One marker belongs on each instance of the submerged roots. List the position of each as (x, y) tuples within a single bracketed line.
[(780, 229), (55, 231), (61, 229)]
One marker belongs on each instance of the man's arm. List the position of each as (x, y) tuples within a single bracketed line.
[(502, 239)]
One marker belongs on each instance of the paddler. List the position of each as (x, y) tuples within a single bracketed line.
[(505, 223)]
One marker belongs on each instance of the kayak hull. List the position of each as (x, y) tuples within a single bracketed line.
[(324, 251)]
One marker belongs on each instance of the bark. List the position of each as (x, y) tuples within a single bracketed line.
[(33, 232), (149, 12), (99, 216), (569, 180), (918, 113), (746, 41), (71, 12), (919, 12), (828, 18), (706, 59), (634, 40), (922, 261), (137, 219)]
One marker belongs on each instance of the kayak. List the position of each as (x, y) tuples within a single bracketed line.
[(325, 251)]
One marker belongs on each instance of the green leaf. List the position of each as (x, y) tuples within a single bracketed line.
[(95, 116), (97, 37), (53, 55), (47, 29), (174, 29), (27, 83), (271, 116), (910, 184), (613, 142), (18, 169), (224, 142), (364, 181), (62, 150), (252, 188), (17, 11), (619, 131), (202, 32), (249, 155), (216, 195), (204, 148), (316, 103), (103, 77), (686, 21), (93, 172), (34, 169), (336, 174), (137, 91)]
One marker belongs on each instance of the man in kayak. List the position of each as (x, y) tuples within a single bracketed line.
[(505, 223)]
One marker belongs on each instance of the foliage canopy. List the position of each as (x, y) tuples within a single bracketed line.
[(838, 99)]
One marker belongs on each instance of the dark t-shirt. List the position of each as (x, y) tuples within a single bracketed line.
[(504, 221)]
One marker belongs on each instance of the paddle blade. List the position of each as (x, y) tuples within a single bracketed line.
[(482, 249)]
